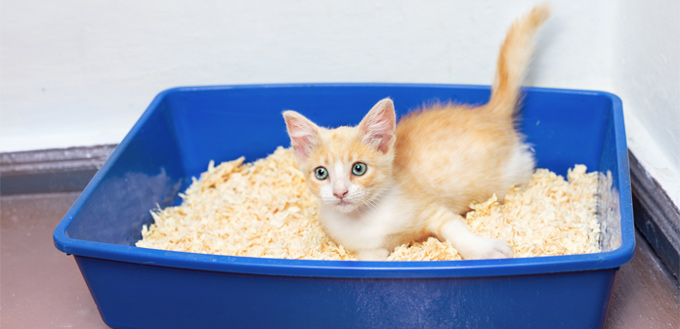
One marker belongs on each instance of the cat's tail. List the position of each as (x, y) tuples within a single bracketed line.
[(512, 61)]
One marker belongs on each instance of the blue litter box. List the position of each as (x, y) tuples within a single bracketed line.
[(184, 128)]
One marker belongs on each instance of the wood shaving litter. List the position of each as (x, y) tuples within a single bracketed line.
[(549, 217), (264, 209)]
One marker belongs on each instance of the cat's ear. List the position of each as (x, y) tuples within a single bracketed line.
[(303, 133), (378, 126)]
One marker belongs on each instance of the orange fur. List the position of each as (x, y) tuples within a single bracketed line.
[(512, 61), (423, 174), (344, 144)]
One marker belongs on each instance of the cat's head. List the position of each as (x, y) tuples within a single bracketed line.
[(346, 167)]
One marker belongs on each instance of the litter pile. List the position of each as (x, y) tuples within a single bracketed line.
[(264, 209)]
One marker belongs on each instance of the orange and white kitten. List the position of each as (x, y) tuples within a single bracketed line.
[(381, 184)]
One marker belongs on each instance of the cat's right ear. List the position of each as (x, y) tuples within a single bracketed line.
[(303, 133)]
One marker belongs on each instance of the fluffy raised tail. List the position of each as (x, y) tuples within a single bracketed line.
[(513, 59)]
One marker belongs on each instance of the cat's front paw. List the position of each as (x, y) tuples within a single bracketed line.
[(490, 249), (373, 254)]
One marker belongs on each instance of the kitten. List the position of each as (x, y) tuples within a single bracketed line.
[(381, 184)]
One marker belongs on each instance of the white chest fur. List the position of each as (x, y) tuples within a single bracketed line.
[(371, 227)]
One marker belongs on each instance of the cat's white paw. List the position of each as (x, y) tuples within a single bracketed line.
[(489, 249), (373, 254)]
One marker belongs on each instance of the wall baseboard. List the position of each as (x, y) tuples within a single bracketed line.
[(656, 216), (52, 170)]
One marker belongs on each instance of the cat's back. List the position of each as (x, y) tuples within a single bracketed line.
[(453, 153)]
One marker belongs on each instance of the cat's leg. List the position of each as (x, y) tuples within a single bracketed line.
[(450, 227), (373, 254)]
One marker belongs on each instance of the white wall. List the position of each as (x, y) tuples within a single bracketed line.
[(81, 72), (647, 77)]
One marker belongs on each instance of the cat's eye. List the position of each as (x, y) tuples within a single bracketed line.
[(359, 168), (321, 173)]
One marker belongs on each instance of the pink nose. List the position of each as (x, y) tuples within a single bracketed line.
[(340, 194)]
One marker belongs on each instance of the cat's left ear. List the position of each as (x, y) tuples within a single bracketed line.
[(378, 126)]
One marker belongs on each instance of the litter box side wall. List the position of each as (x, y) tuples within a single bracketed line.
[(225, 122), (131, 295), (144, 171), (615, 207)]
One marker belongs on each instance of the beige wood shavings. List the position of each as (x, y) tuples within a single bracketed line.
[(550, 216), (264, 209)]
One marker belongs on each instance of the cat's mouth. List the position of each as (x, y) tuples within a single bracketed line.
[(344, 205)]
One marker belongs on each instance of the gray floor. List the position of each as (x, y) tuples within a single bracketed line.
[(42, 288)]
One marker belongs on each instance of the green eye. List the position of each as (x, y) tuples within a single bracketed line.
[(359, 168), (321, 173)]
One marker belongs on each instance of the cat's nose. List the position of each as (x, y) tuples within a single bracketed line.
[(340, 194)]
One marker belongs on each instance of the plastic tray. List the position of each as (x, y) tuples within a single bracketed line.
[(184, 128)]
